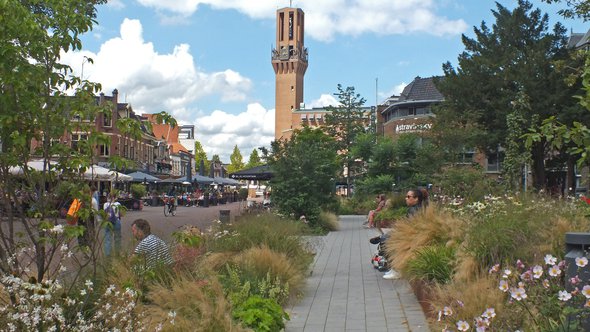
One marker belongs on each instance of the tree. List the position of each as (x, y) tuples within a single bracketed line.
[(304, 168), (201, 156), (254, 159), (39, 98), (345, 122), (236, 162), (515, 58)]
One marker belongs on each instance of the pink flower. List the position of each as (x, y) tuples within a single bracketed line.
[(527, 276), (575, 280), (519, 264), (494, 269)]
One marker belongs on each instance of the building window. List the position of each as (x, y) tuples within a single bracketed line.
[(76, 139), (107, 119), (104, 150), (281, 26), (290, 25)]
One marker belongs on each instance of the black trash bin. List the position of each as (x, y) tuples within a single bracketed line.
[(576, 245), (224, 216)]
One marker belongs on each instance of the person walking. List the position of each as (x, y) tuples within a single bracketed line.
[(113, 227)]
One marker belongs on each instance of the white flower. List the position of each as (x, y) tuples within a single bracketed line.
[(537, 271), (83, 292), (554, 271), (586, 291), (581, 261), (489, 313), (57, 229), (564, 295), (503, 285), (88, 283), (447, 311), (462, 325), (507, 273), (518, 293), (550, 260)]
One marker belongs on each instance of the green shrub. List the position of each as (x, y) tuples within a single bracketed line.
[(433, 263), (391, 214), (261, 314), (138, 190), (374, 185), (278, 234)]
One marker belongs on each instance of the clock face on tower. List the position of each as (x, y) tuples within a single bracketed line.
[(284, 53)]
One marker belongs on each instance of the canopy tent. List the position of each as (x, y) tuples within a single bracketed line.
[(93, 173), (99, 173), (173, 180), (141, 177), (225, 181), (202, 179), (261, 172)]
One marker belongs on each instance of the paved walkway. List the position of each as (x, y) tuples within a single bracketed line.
[(345, 293)]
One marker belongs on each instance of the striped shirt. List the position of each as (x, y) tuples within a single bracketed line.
[(154, 250)]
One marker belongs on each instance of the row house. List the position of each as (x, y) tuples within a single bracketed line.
[(147, 153), (182, 161)]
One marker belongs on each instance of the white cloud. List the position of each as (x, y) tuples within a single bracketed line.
[(154, 82), (328, 18), (115, 4), (396, 90), (219, 132), (323, 101)]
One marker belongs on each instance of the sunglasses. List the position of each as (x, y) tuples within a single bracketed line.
[(408, 196)]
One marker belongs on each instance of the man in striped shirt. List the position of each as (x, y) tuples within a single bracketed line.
[(151, 248)]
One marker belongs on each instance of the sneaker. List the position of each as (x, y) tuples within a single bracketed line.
[(391, 275)]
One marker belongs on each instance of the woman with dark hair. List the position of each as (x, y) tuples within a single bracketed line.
[(415, 200), (370, 223)]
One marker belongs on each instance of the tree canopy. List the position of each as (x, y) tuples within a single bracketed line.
[(304, 169), (236, 162), (516, 57)]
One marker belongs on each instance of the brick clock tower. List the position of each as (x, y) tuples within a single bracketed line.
[(289, 61)]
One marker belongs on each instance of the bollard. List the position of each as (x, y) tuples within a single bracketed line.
[(224, 216)]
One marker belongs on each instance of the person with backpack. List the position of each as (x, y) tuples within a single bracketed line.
[(113, 224)]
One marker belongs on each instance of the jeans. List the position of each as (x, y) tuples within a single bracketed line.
[(116, 229)]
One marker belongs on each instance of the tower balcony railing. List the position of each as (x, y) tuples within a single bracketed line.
[(286, 54)]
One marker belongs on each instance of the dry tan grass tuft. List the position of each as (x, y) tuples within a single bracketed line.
[(261, 260), (428, 227), (214, 261), (467, 267), (476, 296), (199, 306), (329, 221)]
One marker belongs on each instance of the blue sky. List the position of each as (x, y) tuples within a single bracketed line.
[(207, 62)]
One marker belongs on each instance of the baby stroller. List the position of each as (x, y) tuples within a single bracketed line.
[(378, 259)]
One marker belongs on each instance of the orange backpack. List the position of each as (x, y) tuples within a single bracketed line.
[(72, 216)]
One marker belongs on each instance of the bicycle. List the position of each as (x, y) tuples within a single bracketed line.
[(170, 207)]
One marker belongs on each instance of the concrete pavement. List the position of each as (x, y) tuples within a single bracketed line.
[(345, 293)]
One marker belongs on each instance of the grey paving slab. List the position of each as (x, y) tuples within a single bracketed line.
[(345, 293)]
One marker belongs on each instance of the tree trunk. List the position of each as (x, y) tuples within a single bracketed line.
[(538, 159)]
